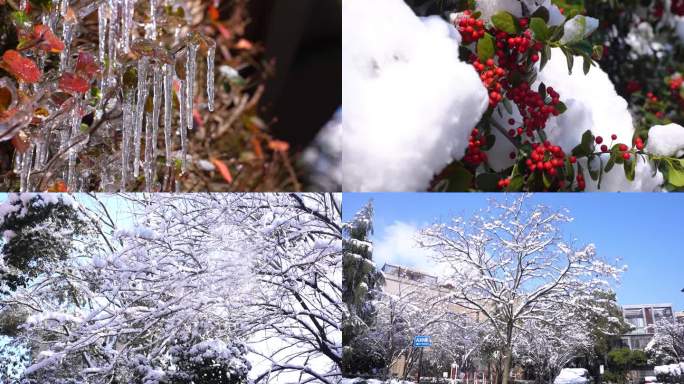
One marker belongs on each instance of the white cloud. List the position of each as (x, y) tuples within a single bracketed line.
[(396, 245)]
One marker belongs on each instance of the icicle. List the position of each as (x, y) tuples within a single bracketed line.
[(156, 105), (64, 6), (67, 34), (182, 126), (143, 64), (126, 128), (18, 157), (111, 48), (73, 147), (190, 72), (168, 99), (127, 23), (151, 28), (27, 163), (102, 37), (149, 154), (211, 53)]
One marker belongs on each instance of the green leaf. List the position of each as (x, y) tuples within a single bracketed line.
[(673, 172), (597, 52), (542, 90), (561, 107), (570, 59), (545, 57), (540, 29), (505, 22), (488, 182), (630, 169), (586, 67), (585, 147), (516, 184), (542, 13), (457, 179), (485, 47)]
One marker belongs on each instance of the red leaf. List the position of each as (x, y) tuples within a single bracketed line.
[(244, 44), (223, 169), (225, 32), (47, 41), (279, 146), (21, 67), (73, 83), (213, 13), (85, 65)]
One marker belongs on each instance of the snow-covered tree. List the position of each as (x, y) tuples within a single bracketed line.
[(546, 348), (37, 230), (667, 345), (360, 281), (514, 264), (208, 288)]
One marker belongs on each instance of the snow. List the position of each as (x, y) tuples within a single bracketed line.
[(490, 7), (409, 102), (572, 376), (578, 28), (666, 140), (647, 178)]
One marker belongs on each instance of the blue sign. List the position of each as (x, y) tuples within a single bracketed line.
[(422, 341)]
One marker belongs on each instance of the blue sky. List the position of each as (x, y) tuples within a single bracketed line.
[(645, 230)]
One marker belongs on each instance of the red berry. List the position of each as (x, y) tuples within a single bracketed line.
[(599, 139), (613, 136), (626, 156), (623, 147), (604, 148)]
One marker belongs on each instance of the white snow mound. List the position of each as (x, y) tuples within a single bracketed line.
[(409, 102), (666, 140)]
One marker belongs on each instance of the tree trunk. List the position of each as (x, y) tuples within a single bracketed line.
[(508, 351)]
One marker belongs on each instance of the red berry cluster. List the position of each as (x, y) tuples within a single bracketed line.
[(491, 76), (474, 155), (639, 143), (533, 107), (509, 47), (676, 82), (581, 183), (503, 183), (546, 158), (623, 148), (470, 28)]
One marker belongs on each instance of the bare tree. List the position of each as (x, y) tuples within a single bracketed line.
[(513, 264)]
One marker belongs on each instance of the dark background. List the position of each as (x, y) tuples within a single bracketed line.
[(305, 39)]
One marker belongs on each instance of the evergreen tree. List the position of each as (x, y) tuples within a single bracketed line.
[(360, 280), (37, 230)]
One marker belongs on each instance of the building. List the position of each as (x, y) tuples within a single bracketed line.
[(421, 288), (679, 316), (642, 317)]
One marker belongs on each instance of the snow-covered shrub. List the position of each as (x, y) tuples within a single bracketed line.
[(554, 120)]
